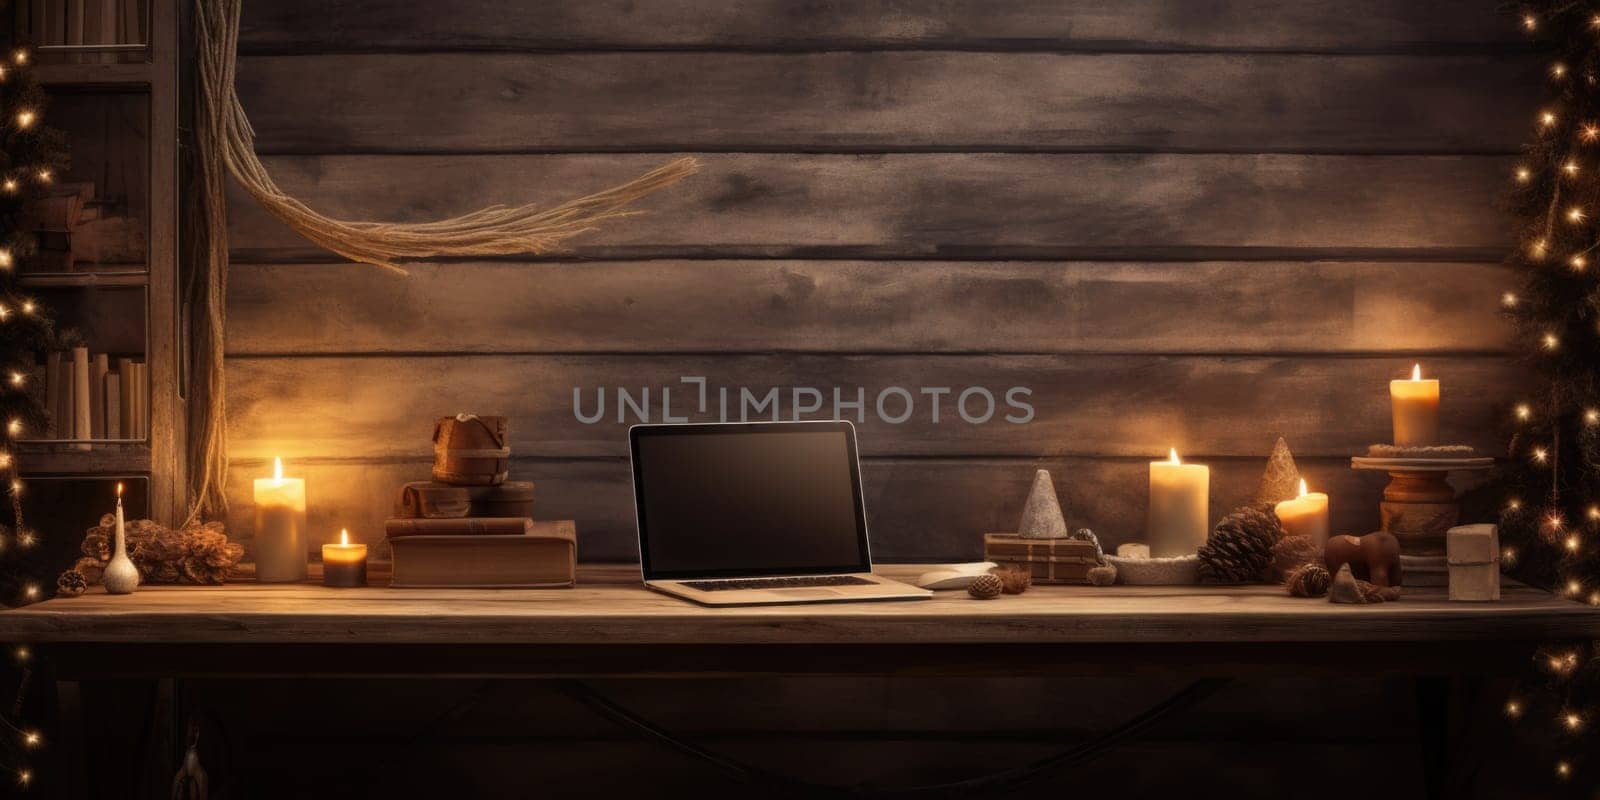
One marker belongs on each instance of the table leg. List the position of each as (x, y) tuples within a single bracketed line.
[(72, 766), (1433, 734)]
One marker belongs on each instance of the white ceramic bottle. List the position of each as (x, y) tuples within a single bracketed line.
[(121, 576)]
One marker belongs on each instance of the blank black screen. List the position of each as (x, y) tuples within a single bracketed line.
[(748, 503)]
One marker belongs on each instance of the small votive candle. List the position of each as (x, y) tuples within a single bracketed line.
[(1306, 515), (1415, 404), (344, 564)]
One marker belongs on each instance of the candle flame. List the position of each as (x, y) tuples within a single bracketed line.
[(344, 537), (1416, 372), (1172, 456), (119, 491), (277, 468), (1302, 487)]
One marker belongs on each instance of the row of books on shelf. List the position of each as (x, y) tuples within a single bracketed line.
[(88, 399), (82, 22)]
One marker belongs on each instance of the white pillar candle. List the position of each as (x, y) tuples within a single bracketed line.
[(1415, 404), (1306, 515), (280, 527), (1179, 507)]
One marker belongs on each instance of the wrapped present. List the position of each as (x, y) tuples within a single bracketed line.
[(1047, 560), (1473, 554)]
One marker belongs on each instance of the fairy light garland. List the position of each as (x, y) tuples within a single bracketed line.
[(1550, 509), (33, 158)]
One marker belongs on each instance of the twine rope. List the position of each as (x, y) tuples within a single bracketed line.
[(226, 141)]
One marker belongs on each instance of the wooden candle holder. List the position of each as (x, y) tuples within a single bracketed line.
[(1419, 504)]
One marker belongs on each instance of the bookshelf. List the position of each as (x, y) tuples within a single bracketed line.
[(112, 70)]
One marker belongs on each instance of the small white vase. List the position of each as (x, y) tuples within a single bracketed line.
[(121, 576)]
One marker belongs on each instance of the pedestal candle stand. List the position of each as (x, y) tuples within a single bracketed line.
[(1418, 507)]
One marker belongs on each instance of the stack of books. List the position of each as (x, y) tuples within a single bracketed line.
[(478, 537), (87, 399)]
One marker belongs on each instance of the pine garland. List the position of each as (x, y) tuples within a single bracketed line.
[(1549, 485)]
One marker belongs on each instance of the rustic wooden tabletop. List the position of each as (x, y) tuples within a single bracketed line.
[(610, 606)]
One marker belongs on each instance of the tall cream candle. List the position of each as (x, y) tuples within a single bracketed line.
[(1306, 515), (280, 527), (1179, 507), (1415, 404)]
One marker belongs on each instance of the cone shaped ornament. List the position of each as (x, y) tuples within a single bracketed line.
[(1041, 515), (1281, 479)]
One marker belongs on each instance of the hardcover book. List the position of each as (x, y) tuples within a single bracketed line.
[(543, 558)]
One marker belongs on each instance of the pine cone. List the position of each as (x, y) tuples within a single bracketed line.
[(986, 587), (71, 584), (1309, 580), (1239, 549), (1014, 579)]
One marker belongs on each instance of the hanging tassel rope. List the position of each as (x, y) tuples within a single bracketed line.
[(496, 230), (226, 142)]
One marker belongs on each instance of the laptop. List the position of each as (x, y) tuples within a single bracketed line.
[(754, 513)]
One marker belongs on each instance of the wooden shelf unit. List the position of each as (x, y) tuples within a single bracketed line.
[(161, 456)]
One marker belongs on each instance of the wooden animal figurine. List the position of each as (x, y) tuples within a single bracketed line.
[(1374, 557)]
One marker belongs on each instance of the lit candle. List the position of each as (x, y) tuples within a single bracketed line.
[(1416, 410), (1179, 501), (1306, 515), (120, 575), (280, 527), (344, 564)]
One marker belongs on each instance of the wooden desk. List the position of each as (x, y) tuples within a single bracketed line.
[(611, 626)]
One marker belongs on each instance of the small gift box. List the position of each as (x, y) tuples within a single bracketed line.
[(1048, 560), (1473, 556)]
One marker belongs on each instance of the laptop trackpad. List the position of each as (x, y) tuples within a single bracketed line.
[(807, 592)]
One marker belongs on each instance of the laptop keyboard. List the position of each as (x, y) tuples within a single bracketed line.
[(778, 583)]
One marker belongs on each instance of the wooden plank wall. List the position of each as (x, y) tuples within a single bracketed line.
[(1199, 226), (1183, 224)]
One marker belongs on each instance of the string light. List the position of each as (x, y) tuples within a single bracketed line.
[(1537, 249), (1578, 262), (1572, 543), (1509, 556), (45, 175), (27, 539), (1594, 598), (10, 185), (1513, 709), (4, 312), (1558, 70), (14, 427), (1522, 174), (1514, 504), (1547, 119), (25, 118), (1524, 411), (1572, 720), (20, 56), (1540, 454), (32, 739), (17, 378), (31, 591), (1571, 168), (28, 307), (1509, 300), (1574, 588), (5, 460), (5, 257), (24, 776), (1530, 23), (21, 653), (1550, 341), (1589, 132), (1575, 214), (1563, 770), (1594, 512), (1591, 416)]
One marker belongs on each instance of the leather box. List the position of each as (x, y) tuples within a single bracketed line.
[(429, 500), (1049, 560), (509, 499)]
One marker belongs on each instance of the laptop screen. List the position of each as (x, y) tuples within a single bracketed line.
[(748, 499)]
